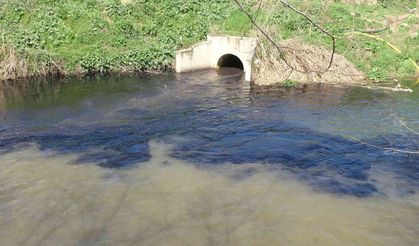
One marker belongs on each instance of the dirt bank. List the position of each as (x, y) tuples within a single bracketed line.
[(305, 64)]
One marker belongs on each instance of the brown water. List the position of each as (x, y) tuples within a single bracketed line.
[(203, 159), (166, 201)]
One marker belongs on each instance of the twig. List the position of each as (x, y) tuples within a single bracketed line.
[(258, 27), (376, 30), (281, 53), (385, 148), (403, 123), (412, 12), (287, 4)]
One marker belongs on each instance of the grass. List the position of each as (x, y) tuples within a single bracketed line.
[(288, 83), (42, 37), (100, 36), (16, 64), (374, 57), (237, 24)]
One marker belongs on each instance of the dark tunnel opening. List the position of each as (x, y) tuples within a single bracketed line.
[(230, 60)]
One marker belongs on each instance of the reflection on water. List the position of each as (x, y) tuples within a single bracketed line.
[(165, 201), (88, 163)]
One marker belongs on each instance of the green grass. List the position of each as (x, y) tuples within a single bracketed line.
[(373, 57), (100, 36), (236, 24), (288, 83)]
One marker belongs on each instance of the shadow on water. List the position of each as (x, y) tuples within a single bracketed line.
[(215, 118)]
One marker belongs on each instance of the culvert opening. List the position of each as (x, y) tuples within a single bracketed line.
[(230, 60)]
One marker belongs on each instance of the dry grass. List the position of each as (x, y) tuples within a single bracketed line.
[(308, 64), (304, 64), (16, 65), (12, 66), (126, 2), (369, 2)]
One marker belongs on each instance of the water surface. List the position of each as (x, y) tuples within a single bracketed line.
[(204, 159)]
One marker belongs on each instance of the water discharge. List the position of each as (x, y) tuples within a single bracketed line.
[(203, 159)]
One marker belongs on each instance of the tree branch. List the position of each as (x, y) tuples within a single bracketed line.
[(281, 53), (287, 4)]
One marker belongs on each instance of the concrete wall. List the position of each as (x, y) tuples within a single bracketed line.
[(207, 54), (193, 58)]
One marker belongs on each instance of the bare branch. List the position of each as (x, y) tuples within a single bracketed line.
[(281, 53), (287, 4), (258, 27), (416, 152)]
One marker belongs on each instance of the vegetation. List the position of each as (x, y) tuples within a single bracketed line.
[(99, 36), (42, 37), (289, 83), (393, 21)]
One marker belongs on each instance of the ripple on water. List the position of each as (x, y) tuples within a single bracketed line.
[(307, 166), (167, 201)]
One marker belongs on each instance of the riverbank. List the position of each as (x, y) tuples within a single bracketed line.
[(41, 38), (59, 38), (380, 40)]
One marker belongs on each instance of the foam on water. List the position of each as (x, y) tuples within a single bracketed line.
[(47, 200)]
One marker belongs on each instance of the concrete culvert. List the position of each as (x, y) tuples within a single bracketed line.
[(230, 60), (219, 51)]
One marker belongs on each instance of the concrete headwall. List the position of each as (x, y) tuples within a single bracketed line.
[(207, 54), (193, 58)]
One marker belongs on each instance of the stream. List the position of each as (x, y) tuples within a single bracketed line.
[(204, 158)]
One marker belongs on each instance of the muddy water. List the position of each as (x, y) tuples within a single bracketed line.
[(203, 159)]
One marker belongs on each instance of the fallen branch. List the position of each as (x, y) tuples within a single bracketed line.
[(287, 4), (281, 53), (416, 152), (403, 123), (394, 89)]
